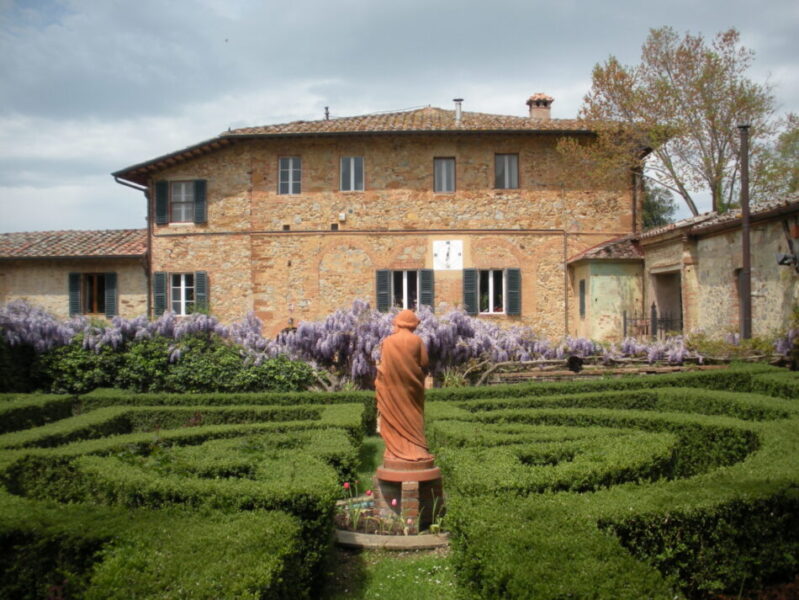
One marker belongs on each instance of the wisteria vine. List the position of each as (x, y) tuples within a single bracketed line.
[(346, 342)]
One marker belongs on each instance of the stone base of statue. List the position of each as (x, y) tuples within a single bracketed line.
[(410, 491)]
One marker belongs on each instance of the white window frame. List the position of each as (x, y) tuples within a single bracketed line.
[(287, 165), (444, 175), (353, 185), (405, 287), (508, 174), (491, 310), (181, 201), (179, 301)]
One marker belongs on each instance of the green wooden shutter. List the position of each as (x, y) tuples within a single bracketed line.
[(201, 291), (199, 201), (514, 286), (110, 294), (161, 202), (383, 286), (159, 293), (582, 298), (470, 300), (427, 284), (74, 294)]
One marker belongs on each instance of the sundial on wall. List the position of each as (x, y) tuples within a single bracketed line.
[(448, 255)]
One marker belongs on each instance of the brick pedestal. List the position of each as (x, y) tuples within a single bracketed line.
[(417, 489)]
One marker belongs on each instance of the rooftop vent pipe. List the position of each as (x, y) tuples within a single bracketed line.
[(458, 110)]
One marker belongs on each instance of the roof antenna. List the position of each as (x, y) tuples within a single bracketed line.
[(327, 113)]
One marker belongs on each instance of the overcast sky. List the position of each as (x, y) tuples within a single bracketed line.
[(88, 87)]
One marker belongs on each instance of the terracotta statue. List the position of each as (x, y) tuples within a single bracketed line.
[(400, 391)]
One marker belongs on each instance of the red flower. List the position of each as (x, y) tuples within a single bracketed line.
[(368, 492), (346, 485), (393, 502)]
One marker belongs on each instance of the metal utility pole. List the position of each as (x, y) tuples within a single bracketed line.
[(746, 270)]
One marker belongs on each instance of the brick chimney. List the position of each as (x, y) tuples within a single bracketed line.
[(539, 106)]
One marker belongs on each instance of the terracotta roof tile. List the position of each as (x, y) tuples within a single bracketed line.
[(418, 120), (709, 220), (51, 244), (621, 248)]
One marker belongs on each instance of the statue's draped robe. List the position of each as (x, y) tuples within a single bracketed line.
[(400, 391)]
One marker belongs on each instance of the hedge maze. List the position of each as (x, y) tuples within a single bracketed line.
[(162, 496), (644, 487), (648, 487)]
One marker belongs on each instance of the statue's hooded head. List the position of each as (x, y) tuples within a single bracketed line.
[(406, 319)]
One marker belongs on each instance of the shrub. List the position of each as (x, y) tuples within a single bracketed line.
[(73, 369), (681, 491)]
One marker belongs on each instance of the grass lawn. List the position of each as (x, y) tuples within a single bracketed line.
[(367, 574), (378, 574)]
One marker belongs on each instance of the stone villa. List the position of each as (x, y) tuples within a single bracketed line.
[(432, 206)]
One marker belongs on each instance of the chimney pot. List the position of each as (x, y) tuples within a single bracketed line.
[(540, 106)]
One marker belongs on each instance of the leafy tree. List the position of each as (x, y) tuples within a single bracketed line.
[(777, 169), (659, 207), (679, 108)]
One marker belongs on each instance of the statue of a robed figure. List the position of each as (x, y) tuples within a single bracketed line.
[(400, 391), (408, 474)]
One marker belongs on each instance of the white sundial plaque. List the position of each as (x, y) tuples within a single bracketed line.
[(448, 255)]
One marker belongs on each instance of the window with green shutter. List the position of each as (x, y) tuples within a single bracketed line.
[(182, 293), (93, 294), (159, 293), (74, 294), (404, 288), (471, 302), (180, 202), (492, 291), (383, 290), (110, 294)]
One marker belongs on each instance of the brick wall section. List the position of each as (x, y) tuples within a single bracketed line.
[(45, 283), (309, 271)]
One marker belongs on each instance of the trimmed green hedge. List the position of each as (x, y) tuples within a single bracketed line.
[(681, 490), (212, 464), (22, 411), (733, 378), (98, 552)]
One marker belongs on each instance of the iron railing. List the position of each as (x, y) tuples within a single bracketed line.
[(652, 325)]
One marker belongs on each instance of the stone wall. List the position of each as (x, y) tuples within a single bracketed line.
[(45, 283), (775, 289), (708, 269), (278, 254)]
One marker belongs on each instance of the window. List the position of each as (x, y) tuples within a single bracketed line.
[(290, 175), (444, 175), (180, 201), (182, 293), (93, 294), (582, 298), (506, 171), (404, 289), (352, 173), (492, 291)]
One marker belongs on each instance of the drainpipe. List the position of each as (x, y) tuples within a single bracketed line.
[(147, 258), (746, 274)]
